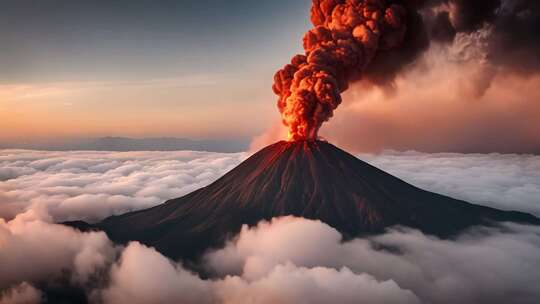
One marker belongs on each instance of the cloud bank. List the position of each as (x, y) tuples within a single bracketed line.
[(481, 266), (504, 181), (284, 283), (287, 260), (93, 185), (294, 260)]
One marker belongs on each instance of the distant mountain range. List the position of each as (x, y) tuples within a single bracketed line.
[(133, 144)]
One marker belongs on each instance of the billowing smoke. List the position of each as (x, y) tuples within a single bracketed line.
[(346, 37), (513, 26), (374, 40)]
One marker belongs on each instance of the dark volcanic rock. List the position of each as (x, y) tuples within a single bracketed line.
[(311, 179)]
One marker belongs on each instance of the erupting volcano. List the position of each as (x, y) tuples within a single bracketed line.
[(304, 176), (310, 179)]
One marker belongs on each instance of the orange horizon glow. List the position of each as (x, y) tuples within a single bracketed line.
[(150, 109)]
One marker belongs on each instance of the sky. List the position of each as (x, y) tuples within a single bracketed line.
[(204, 70), (199, 69)]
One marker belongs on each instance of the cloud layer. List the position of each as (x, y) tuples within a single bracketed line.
[(474, 89), (288, 260), (481, 266), (292, 260), (93, 185), (32, 250), (505, 181)]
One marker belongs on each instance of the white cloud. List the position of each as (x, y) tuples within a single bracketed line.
[(144, 276), (31, 249), (288, 283), (36, 251), (481, 266), (93, 185), (293, 260), (288, 260), (505, 181)]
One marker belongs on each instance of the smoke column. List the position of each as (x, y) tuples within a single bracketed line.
[(375, 39), (347, 35)]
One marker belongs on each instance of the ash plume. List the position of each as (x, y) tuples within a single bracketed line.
[(375, 39), (513, 27), (346, 37)]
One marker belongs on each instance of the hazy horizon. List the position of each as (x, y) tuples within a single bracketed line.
[(119, 143)]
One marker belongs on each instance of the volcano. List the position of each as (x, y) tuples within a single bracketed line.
[(310, 179)]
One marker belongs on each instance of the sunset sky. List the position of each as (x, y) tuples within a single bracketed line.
[(204, 70), (200, 69)]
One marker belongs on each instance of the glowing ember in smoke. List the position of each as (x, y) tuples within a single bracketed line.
[(346, 37)]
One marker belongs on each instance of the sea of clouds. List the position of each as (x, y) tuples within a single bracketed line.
[(93, 185), (287, 260)]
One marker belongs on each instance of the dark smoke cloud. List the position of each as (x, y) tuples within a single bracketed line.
[(441, 29), (511, 42), (376, 40), (466, 15), (515, 44), (452, 100), (386, 64), (347, 35), (514, 27)]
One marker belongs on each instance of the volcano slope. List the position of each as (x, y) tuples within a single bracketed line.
[(310, 179)]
